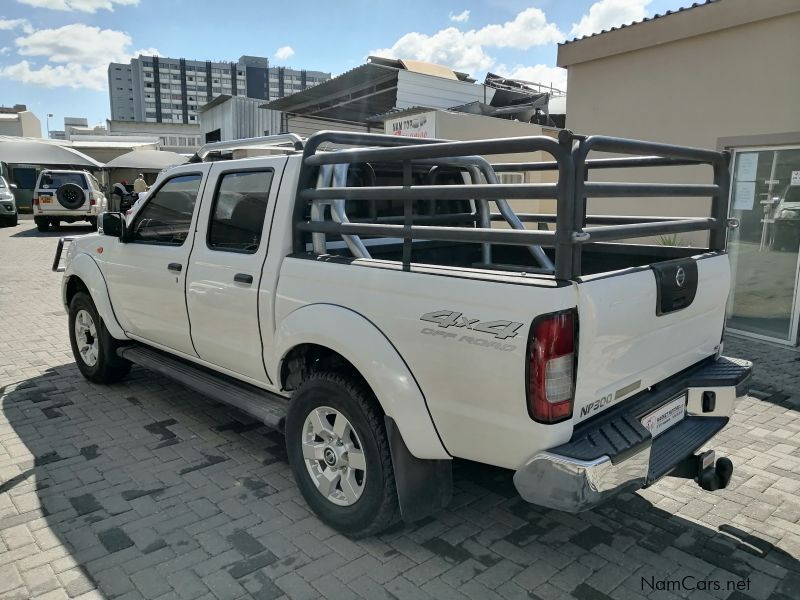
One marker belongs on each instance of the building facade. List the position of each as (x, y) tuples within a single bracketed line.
[(229, 118), (174, 137), (18, 121), (721, 74), (155, 89)]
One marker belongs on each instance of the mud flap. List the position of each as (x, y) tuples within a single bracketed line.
[(423, 486)]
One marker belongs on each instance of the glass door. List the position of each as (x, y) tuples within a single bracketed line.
[(765, 198)]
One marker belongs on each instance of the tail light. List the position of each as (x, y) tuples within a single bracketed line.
[(92, 200), (552, 361), (35, 201)]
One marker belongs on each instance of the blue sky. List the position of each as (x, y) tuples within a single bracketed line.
[(54, 53)]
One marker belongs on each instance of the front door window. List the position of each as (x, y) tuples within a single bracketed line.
[(765, 197)]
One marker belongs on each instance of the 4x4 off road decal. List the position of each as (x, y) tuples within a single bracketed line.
[(447, 318)]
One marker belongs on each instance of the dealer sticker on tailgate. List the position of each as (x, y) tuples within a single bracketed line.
[(661, 419)]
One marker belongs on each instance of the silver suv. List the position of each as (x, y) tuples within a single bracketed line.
[(66, 196), (8, 205)]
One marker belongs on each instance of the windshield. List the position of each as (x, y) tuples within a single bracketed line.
[(2, 182), (56, 180)]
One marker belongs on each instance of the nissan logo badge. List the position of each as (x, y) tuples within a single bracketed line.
[(680, 276)]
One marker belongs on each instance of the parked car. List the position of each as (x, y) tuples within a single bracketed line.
[(8, 205), (360, 302), (66, 196), (786, 233)]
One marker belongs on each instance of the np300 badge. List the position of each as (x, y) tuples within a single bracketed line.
[(448, 318)]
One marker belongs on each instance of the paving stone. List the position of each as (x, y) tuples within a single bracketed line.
[(145, 489)]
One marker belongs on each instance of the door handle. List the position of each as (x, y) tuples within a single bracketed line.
[(175, 267), (243, 278)]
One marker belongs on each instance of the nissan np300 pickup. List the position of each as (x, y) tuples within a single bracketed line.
[(389, 305)]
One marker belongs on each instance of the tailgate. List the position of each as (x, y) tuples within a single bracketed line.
[(641, 326)]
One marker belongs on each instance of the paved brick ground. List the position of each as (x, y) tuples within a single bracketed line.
[(146, 490)]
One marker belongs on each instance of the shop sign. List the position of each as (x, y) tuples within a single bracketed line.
[(420, 126)]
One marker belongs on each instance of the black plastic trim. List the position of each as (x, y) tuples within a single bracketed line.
[(618, 433)]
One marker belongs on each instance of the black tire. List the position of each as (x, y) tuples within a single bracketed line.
[(55, 224), (108, 367), (377, 507), (13, 221), (42, 223), (93, 222), (71, 196)]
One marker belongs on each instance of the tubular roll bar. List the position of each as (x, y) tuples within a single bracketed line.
[(280, 139), (569, 158)]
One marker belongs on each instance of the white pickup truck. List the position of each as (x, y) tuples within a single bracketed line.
[(378, 300)]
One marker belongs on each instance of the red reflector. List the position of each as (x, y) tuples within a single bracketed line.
[(551, 368), (92, 201), (36, 201)]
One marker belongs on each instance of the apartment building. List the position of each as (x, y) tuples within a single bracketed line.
[(155, 89)]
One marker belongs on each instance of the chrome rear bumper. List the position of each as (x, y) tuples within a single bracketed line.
[(574, 485)]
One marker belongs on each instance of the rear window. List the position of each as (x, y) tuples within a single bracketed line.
[(56, 180)]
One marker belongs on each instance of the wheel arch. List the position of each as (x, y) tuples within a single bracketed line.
[(83, 274), (322, 334)]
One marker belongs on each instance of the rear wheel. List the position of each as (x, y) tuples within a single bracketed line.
[(55, 224), (42, 223), (339, 453), (94, 349)]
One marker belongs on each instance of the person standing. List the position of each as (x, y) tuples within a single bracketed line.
[(118, 192), (139, 184)]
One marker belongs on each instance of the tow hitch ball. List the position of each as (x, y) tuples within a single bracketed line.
[(713, 475), (709, 473)]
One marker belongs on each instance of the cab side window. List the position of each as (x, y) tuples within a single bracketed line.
[(240, 206), (167, 217)]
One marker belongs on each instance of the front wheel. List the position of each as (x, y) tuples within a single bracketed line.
[(42, 223), (93, 222), (94, 349), (339, 453)]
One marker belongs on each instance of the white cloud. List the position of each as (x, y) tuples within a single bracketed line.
[(449, 47), (544, 74), (88, 6), (75, 56), (529, 28), (606, 14), (5, 50), (464, 50), (284, 52), (461, 17), (9, 24)]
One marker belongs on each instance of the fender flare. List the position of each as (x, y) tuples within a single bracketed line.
[(359, 340), (85, 268)]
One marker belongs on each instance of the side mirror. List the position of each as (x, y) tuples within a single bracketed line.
[(13, 186), (112, 224)]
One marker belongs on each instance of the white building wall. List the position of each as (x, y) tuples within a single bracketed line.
[(239, 118), (418, 89)]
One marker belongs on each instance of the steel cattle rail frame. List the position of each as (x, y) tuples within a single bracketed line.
[(571, 190)]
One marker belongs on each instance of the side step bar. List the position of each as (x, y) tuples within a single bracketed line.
[(260, 404)]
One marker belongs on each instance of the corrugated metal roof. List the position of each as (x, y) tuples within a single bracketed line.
[(645, 20)]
